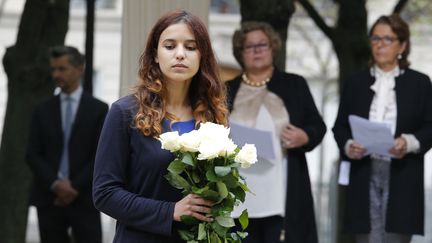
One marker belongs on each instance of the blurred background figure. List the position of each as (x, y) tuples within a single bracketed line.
[(61, 150), (266, 98), (385, 197)]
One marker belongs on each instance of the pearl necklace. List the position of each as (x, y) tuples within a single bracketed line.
[(255, 84)]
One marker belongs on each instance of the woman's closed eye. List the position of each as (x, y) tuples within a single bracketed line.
[(191, 47), (169, 47), (187, 47)]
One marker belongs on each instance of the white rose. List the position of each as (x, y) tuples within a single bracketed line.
[(190, 141), (210, 149), (229, 148), (247, 156), (215, 141), (170, 141), (213, 131)]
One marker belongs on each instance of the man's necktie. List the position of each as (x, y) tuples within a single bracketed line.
[(64, 162)]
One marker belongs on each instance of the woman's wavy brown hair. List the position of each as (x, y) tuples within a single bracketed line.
[(207, 93)]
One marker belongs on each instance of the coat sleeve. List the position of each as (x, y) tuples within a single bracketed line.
[(110, 193), (341, 128), (84, 178), (424, 133), (314, 125)]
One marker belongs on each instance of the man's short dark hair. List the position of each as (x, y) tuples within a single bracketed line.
[(75, 57)]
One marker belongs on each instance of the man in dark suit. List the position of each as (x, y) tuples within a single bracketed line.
[(61, 151)]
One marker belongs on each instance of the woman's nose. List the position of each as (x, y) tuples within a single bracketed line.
[(180, 53)]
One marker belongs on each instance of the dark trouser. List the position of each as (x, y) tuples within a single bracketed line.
[(54, 223), (264, 230), (379, 194)]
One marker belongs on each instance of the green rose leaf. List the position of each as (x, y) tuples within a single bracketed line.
[(225, 221), (219, 229), (177, 181), (206, 193), (222, 170), (229, 203), (239, 193), (234, 236), (242, 234), (230, 181), (176, 167), (187, 159), (211, 176), (222, 209), (214, 238), (222, 189), (196, 177), (189, 220), (186, 235), (245, 188), (244, 220), (210, 195), (202, 234)]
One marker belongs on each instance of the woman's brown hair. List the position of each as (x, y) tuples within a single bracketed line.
[(207, 93)]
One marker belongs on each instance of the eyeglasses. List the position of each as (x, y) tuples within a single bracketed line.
[(256, 47), (386, 40)]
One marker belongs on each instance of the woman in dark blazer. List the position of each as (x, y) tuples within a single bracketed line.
[(282, 184), (385, 198), (178, 89)]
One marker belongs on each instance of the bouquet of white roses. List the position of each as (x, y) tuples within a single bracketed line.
[(206, 164)]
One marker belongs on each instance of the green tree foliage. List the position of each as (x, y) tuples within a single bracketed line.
[(44, 23)]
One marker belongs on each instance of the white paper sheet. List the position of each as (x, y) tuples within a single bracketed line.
[(263, 140), (375, 137)]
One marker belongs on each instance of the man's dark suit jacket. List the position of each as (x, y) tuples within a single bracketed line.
[(405, 209), (46, 144), (300, 223)]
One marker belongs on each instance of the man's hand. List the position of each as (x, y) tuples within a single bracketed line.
[(65, 193)]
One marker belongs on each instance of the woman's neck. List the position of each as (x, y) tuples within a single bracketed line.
[(387, 67), (178, 102), (259, 75)]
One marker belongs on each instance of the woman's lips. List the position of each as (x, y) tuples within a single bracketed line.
[(179, 66)]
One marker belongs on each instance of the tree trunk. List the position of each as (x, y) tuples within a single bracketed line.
[(89, 42), (276, 12), (44, 23), (352, 50), (351, 38)]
